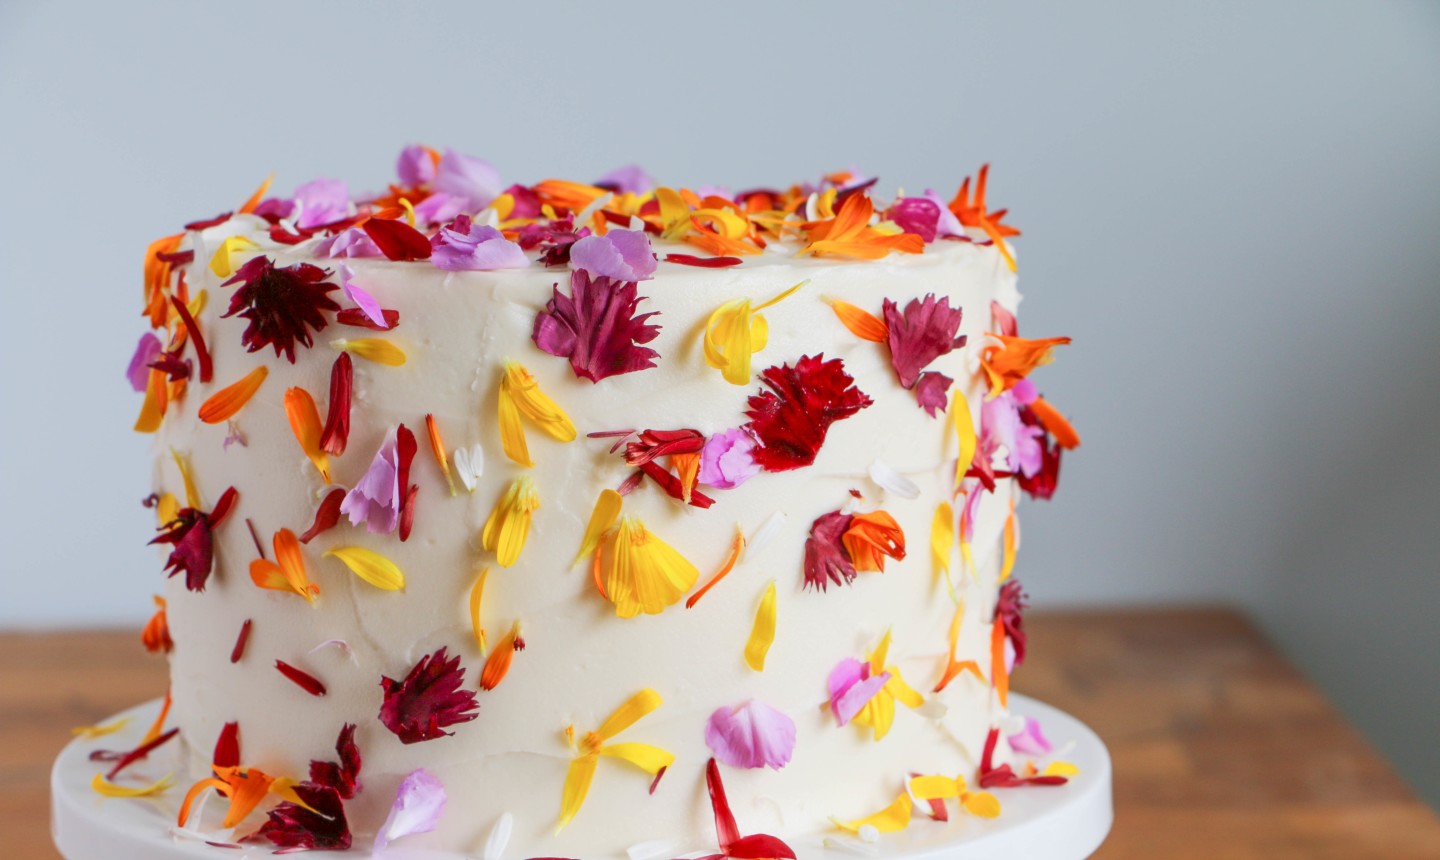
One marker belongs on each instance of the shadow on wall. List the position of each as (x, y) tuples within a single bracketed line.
[(1352, 583)]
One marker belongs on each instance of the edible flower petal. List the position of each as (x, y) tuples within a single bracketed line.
[(477, 594), (728, 459), (925, 330), (891, 819), (520, 395), (602, 518), (1008, 360), (106, 788), (146, 352), (849, 234), (953, 665), (321, 202), (859, 321), (751, 735), (287, 572), (222, 262), (652, 760), (473, 182), (373, 349), (427, 700), (498, 664), (973, 213), (827, 560), (362, 298), (762, 632), (370, 566), (639, 572), (735, 332), (732, 845), (964, 433), (870, 538), (596, 327), (463, 246), (621, 255), (419, 805), (397, 240), (791, 420), (156, 635), (305, 423), (376, 498), (282, 305), (336, 434), (509, 522), (1031, 739)]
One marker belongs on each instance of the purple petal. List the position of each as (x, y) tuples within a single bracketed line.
[(1031, 740), (727, 460), (275, 207), (360, 297), (630, 179), (467, 177), (414, 166), (623, 255), (1024, 392), (751, 735), (146, 351), (375, 500), (322, 201), (419, 804)]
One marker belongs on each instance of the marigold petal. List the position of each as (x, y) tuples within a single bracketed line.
[(107, 788), (512, 432), (254, 199), (577, 784), (981, 804), (498, 665), (648, 758), (602, 518), (625, 716), (477, 593), (305, 423), (737, 547), (374, 349), (1008, 566), (964, 425), (942, 538), (999, 677), (1057, 424), (152, 410), (762, 632), (643, 573), (860, 322), (1060, 768), (437, 447), (370, 566), (892, 818), (509, 522), (934, 788), (222, 263), (225, 403), (101, 730), (187, 479)]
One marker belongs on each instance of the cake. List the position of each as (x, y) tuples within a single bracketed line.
[(589, 520)]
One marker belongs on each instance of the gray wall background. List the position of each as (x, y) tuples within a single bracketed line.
[(1234, 208)]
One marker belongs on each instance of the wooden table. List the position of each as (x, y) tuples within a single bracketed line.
[(1222, 751)]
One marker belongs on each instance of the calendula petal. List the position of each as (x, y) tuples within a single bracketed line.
[(101, 730), (437, 447), (374, 349), (737, 548), (964, 433), (901, 691), (370, 566), (225, 403), (891, 819), (577, 784), (477, 593), (625, 716), (1008, 566), (152, 411), (224, 263), (512, 432), (509, 523), (762, 632), (305, 423), (1058, 425), (999, 677), (650, 759), (187, 479), (602, 518), (537, 406), (641, 572), (254, 199), (934, 788), (942, 537), (981, 804), (1060, 768), (498, 665), (860, 322), (107, 788)]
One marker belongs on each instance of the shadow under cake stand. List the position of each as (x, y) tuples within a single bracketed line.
[(1038, 823)]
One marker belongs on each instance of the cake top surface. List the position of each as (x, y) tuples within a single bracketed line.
[(456, 212)]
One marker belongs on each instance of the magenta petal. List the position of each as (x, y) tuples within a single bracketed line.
[(917, 215), (623, 255), (596, 327), (146, 351), (857, 697), (419, 805), (1024, 392), (440, 207), (375, 500), (727, 460), (948, 224), (925, 330), (751, 735), (1031, 740), (414, 166), (322, 201), (932, 390)]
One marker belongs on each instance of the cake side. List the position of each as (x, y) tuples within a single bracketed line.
[(582, 659)]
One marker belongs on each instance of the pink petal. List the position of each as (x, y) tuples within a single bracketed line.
[(751, 735), (146, 351), (852, 687), (727, 459), (467, 177), (322, 201), (419, 804), (631, 178), (932, 390), (362, 299), (623, 255), (414, 166), (1031, 740), (375, 501), (918, 215)]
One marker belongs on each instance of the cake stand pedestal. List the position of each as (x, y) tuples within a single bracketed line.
[(1038, 823)]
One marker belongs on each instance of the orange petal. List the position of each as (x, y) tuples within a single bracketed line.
[(871, 538), (497, 666), (156, 398), (998, 676), (737, 546), (223, 404), (305, 422), (254, 200), (861, 323), (1056, 423)]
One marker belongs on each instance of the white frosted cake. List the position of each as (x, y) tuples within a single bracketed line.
[(537, 514)]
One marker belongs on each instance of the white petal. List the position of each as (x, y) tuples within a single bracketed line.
[(892, 481), (499, 837), (765, 533)]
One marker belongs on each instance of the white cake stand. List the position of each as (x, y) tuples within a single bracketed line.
[(1040, 823)]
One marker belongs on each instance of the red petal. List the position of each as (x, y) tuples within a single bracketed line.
[(239, 650), (222, 507), (227, 747), (672, 486), (125, 759), (405, 448), (327, 516), (398, 240), (791, 419), (357, 318), (206, 368), (760, 847), (209, 222), (337, 416), (703, 262), (307, 682), (407, 513), (725, 830), (176, 258), (427, 700)]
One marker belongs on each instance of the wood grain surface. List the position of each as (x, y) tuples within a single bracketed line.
[(1222, 751)]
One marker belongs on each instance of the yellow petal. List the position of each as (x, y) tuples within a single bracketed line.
[(192, 495), (509, 523), (964, 432), (892, 818), (477, 591), (644, 756), (903, 692), (981, 804), (762, 633), (728, 344), (1060, 768), (100, 731), (167, 509), (942, 538), (374, 349), (107, 788), (877, 657), (370, 566), (934, 788), (860, 322), (223, 263), (577, 785), (152, 411), (305, 423), (512, 432), (641, 572), (674, 213), (1009, 564), (520, 395), (625, 716), (602, 518), (225, 403)]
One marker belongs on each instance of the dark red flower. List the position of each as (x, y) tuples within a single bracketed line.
[(430, 698), (321, 823), (923, 332), (282, 304), (791, 419), (826, 560), (659, 443), (1008, 611), (337, 416), (733, 846), (190, 533), (397, 240), (596, 327)]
